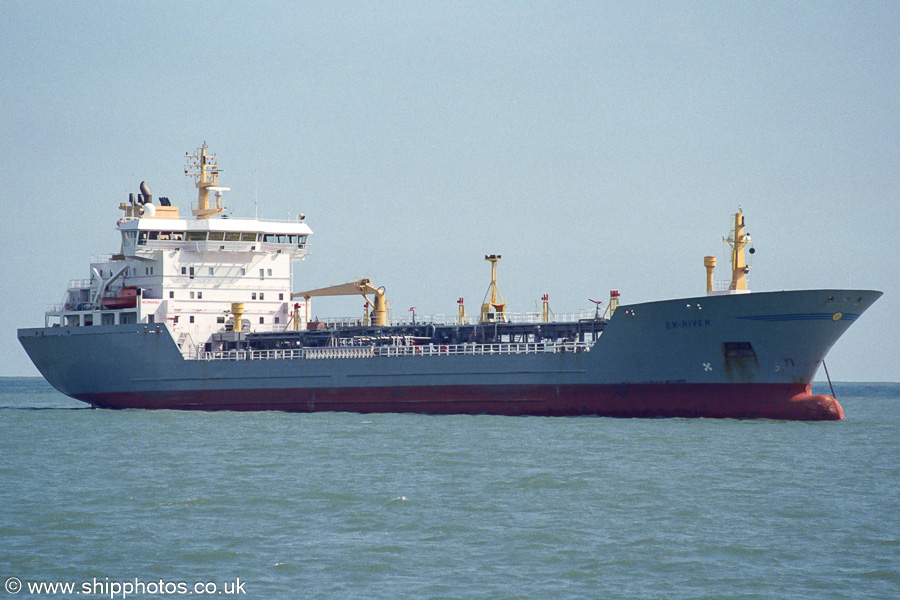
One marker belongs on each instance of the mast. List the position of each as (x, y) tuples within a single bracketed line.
[(738, 241), (493, 308), (205, 169)]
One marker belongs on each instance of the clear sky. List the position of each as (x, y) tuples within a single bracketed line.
[(594, 145)]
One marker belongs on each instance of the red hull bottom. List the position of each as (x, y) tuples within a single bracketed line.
[(747, 401)]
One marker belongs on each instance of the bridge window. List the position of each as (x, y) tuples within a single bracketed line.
[(196, 236), (216, 236)]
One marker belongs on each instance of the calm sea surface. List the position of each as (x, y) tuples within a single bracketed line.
[(345, 506)]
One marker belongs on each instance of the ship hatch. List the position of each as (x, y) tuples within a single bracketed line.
[(735, 350)]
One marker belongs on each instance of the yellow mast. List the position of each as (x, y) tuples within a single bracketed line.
[(613, 302), (738, 241), (206, 171), (495, 308), (463, 318), (546, 312)]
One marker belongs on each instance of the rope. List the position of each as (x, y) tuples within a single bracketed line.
[(829, 379)]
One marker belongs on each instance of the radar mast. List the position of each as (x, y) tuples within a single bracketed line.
[(204, 168)]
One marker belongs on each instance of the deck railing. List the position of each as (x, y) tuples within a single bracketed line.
[(391, 351), (516, 318)]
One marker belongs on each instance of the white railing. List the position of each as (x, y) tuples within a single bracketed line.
[(517, 318), (724, 285), (391, 351), (80, 284)]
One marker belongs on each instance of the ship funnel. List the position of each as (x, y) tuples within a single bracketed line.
[(148, 198)]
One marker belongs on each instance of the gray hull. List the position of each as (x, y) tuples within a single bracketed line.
[(744, 355)]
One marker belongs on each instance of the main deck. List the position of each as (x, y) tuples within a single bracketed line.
[(353, 341)]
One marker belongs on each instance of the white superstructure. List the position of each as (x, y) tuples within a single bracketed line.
[(189, 273)]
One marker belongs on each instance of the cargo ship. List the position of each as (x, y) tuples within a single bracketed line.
[(201, 314)]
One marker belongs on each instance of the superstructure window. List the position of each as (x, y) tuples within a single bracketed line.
[(232, 236), (216, 236), (248, 237), (196, 236)]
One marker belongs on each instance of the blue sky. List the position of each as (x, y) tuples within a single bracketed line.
[(596, 146)]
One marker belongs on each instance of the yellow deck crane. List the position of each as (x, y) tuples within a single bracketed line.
[(361, 287)]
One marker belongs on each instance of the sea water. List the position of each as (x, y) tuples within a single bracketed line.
[(167, 504)]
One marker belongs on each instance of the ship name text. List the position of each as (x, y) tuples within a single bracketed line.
[(687, 323)]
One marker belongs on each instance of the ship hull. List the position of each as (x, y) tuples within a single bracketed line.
[(738, 356), (753, 401)]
